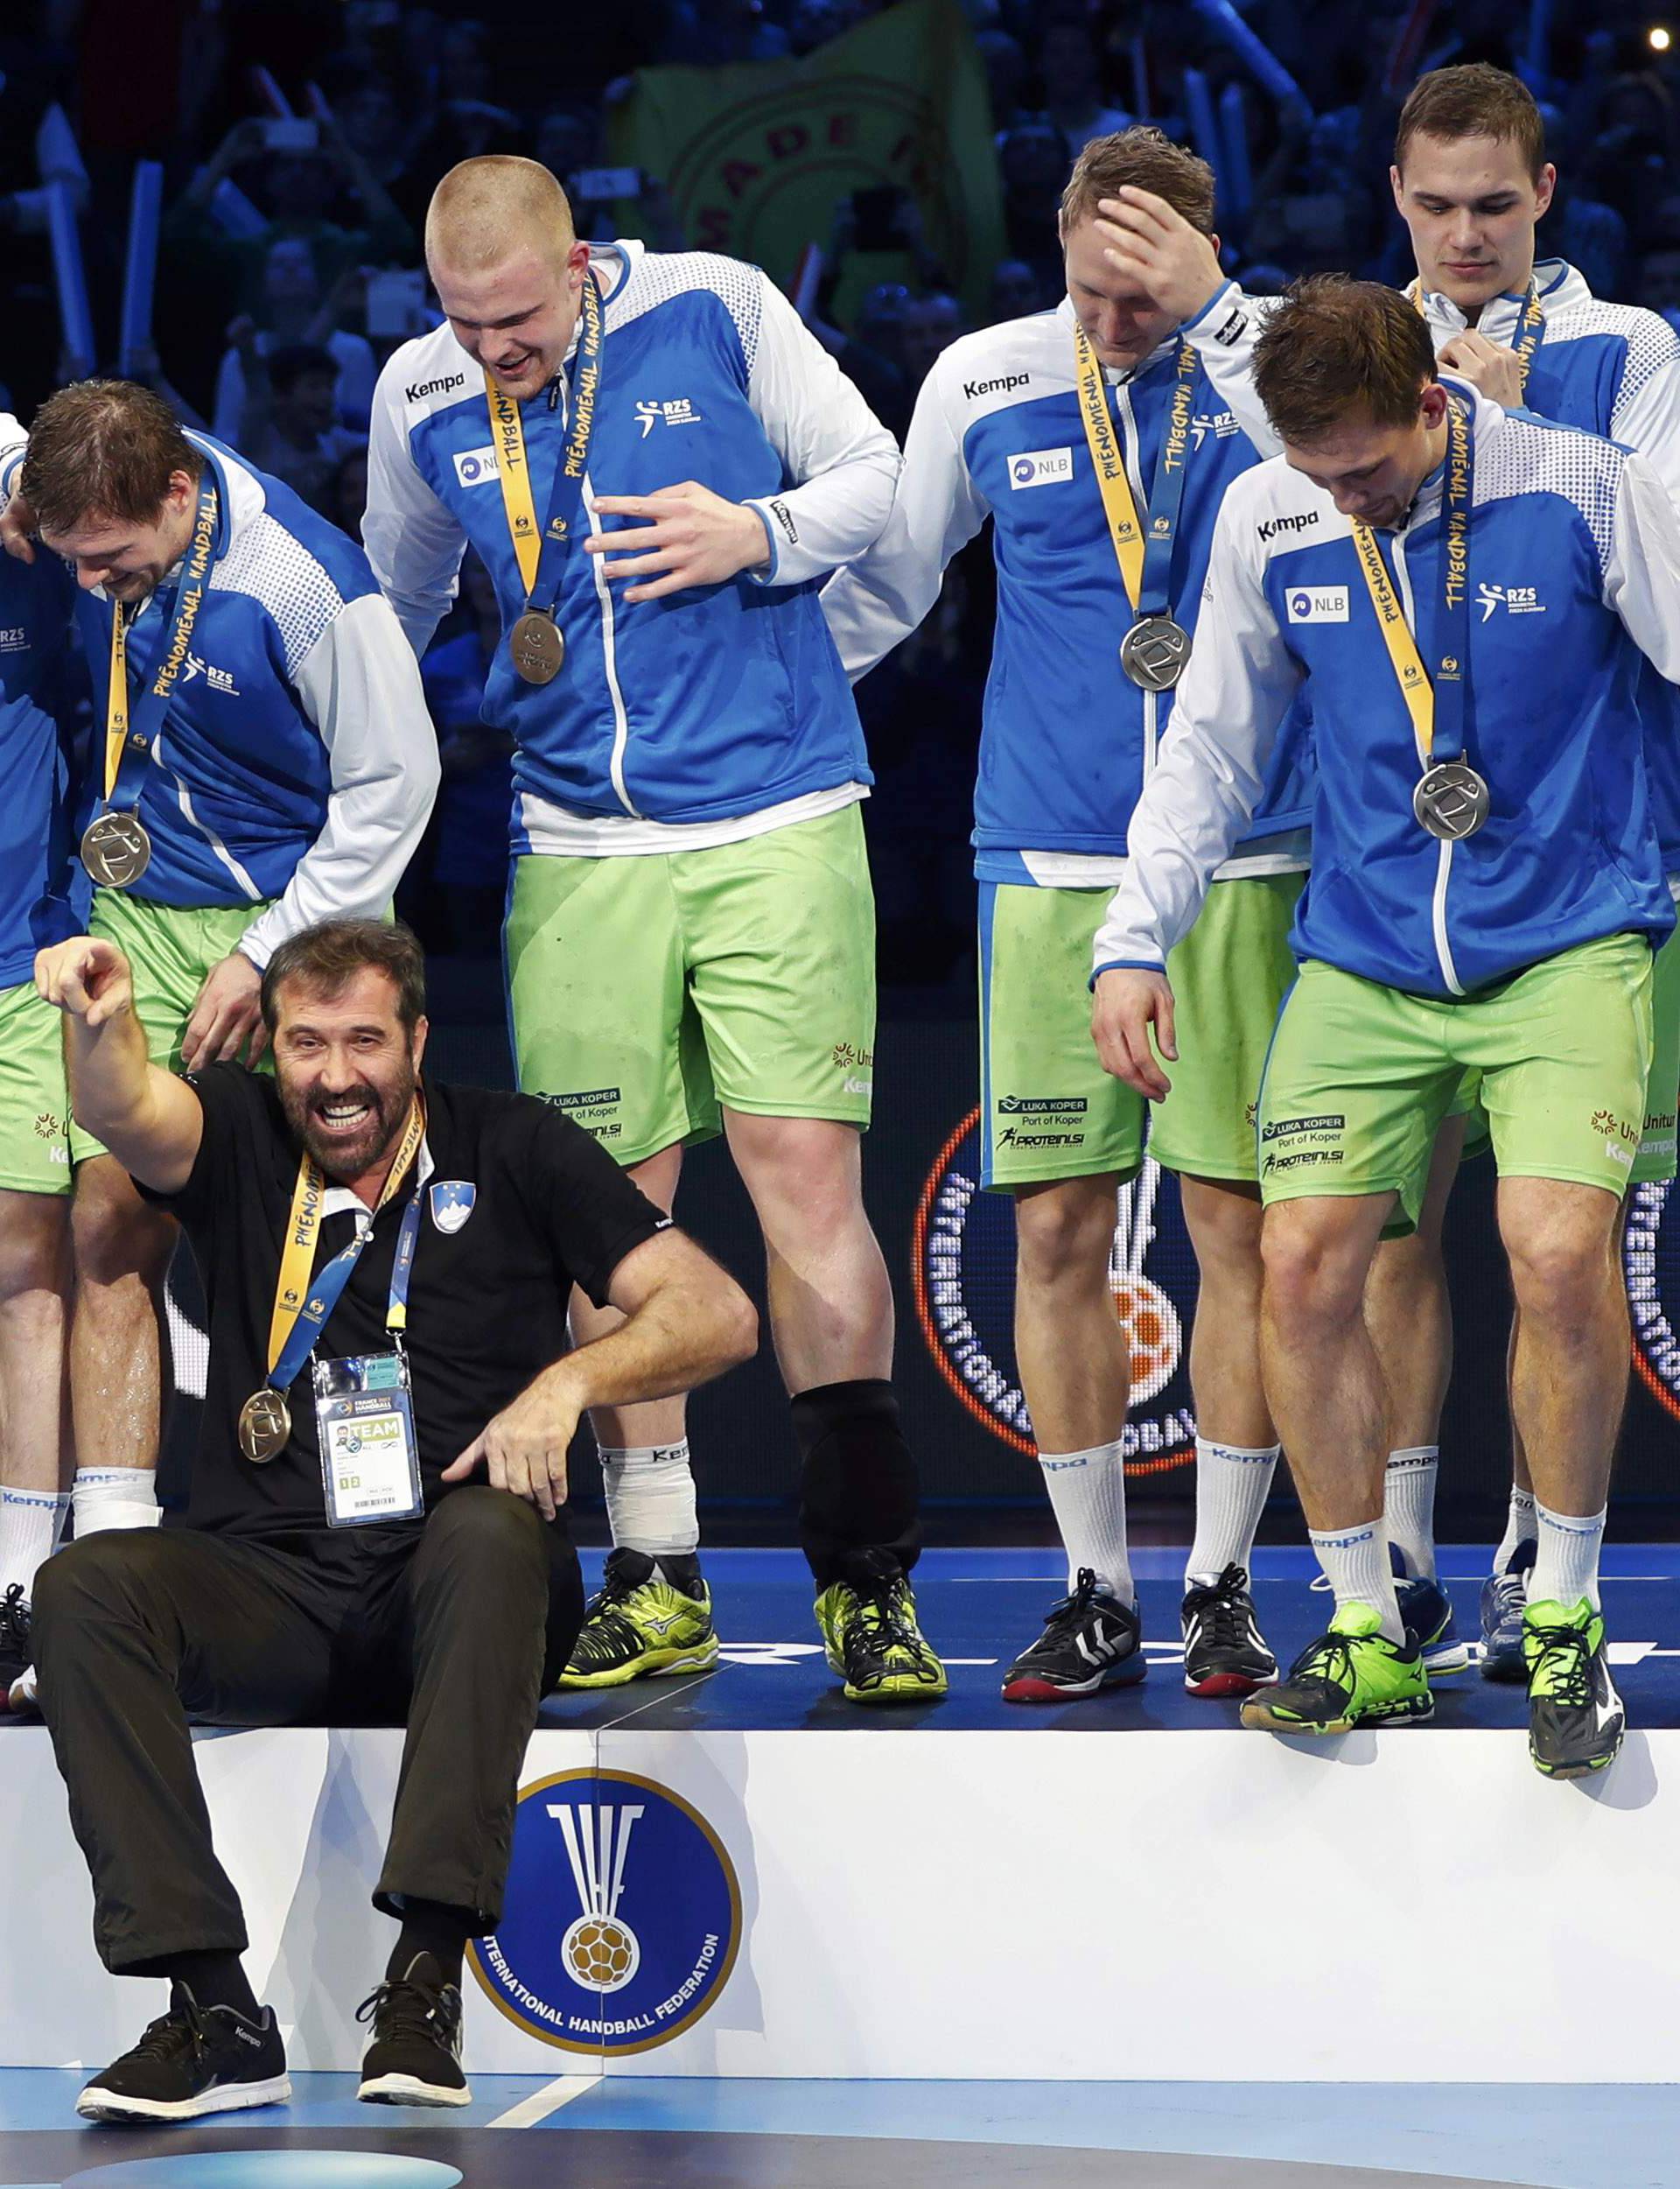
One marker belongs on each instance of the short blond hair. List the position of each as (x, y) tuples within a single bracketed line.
[(1148, 159), (484, 209)]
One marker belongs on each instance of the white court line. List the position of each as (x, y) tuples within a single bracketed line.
[(550, 2099)]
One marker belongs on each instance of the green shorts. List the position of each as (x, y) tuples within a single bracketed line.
[(1047, 1107), (171, 950), (645, 990), (34, 1099), (1656, 1158), (1361, 1075)]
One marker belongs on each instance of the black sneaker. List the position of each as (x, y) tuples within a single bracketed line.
[(16, 1650), (1224, 1650), (191, 2062), (415, 2054), (1576, 1719), (872, 1638), (1090, 1641), (651, 1616)]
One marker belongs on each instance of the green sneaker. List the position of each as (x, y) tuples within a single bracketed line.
[(1576, 1719), (869, 1632), (652, 1616), (1351, 1675)]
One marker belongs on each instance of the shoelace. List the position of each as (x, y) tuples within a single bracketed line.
[(1330, 1659), (884, 1623), (606, 1629), (14, 1618), (178, 2034), (398, 2010), (1565, 1665), (1224, 1619), (1073, 1608)]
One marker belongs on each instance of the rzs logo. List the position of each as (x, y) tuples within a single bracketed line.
[(419, 392), (622, 1918), (13, 638), (1221, 424), (475, 466), (220, 680), (1515, 600), (1040, 466), (964, 1274), (679, 412), (1299, 522), (1317, 603)]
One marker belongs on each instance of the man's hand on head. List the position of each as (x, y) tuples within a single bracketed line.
[(1126, 1003), (17, 524), (227, 1013), (87, 978), (1152, 247), (1490, 367), (687, 536), (523, 1448)]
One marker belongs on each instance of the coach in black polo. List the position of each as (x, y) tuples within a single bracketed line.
[(387, 1262)]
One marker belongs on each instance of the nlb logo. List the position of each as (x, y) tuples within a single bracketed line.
[(1040, 467), (1318, 604), (963, 1273), (622, 1918)]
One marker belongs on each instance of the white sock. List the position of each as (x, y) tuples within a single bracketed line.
[(1233, 1482), (1566, 1557), (1355, 1562), (114, 1496), (1409, 1506), (29, 1524), (1088, 1495), (650, 1499), (1521, 1527)]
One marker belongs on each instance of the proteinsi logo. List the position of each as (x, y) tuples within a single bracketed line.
[(622, 1920), (963, 1270)]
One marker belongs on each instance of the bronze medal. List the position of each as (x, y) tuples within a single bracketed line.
[(116, 849), (1154, 652), (264, 1425), (538, 647), (1451, 801)]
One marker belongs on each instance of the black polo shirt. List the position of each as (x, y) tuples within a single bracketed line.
[(487, 1294)]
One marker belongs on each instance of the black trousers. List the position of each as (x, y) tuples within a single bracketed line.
[(460, 1628)]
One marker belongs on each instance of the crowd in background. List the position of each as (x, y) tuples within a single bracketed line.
[(291, 261)]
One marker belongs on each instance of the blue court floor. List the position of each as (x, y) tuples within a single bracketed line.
[(631, 2132)]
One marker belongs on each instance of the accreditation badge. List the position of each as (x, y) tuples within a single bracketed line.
[(370, 1463)]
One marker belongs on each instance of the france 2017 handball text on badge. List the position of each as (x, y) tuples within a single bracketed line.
[(964, 1277), (622, 1918)]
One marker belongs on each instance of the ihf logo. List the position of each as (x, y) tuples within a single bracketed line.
[(964, 1278), (622, 1920)]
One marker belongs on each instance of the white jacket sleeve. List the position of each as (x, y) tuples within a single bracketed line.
[(359, 684), (884, 595), (1647, 417), (413, 542), (841, 458), (1642, 577), (1224, 332), (1210, 773), (14, 446)]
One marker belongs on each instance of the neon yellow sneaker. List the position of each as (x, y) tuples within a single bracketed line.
[(642, 1624), (1575, 1718), (869, 1632), (1351, 1675)]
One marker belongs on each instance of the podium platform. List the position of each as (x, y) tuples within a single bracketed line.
[(956, 1892)]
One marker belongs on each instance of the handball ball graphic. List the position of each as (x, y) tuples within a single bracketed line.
[(1151, 1323), (601, 1953)]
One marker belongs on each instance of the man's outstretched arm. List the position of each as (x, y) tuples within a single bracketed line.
[(150, 1121)]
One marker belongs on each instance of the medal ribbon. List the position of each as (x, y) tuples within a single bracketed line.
[(130, 735), (301, 1308), (540, 553), (1532, 321), (1143, 548), (1437, 710)]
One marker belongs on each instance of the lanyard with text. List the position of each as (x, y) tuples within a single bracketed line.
[(1450, 800), (115, 848), (1531, 320), (1156, 648), (535, 640), (302, 1307)]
